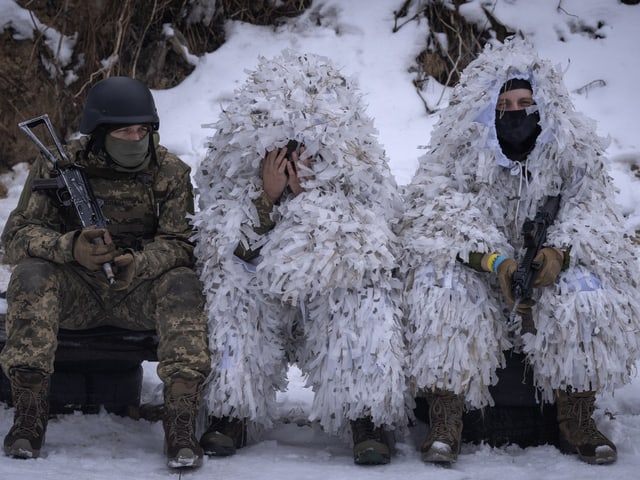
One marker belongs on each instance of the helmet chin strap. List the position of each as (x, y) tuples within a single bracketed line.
[(154, 139), (96, 142)]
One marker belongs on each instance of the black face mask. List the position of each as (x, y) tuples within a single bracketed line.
[(517, 132)]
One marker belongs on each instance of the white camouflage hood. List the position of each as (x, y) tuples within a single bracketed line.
[(338, 233), (466, 171)]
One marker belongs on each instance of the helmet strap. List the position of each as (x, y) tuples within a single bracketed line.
[(96, 141), (153, 139)]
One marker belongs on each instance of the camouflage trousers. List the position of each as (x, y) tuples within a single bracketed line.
[(43, 296)]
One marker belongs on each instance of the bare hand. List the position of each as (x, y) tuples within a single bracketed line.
[(274, 177), (294, 180)]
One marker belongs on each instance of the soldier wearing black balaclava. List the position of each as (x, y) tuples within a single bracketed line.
[(517, 130), (510, 139)]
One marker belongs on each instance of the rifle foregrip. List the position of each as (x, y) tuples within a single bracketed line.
[(45, 184)]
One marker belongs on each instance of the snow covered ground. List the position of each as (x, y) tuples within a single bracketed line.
[(357, 34)]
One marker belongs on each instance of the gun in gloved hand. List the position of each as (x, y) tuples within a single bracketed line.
[(71, 184), (535, 235)]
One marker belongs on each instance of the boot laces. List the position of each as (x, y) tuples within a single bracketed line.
[(180, 421), (445, 419), (29, 423), (364, 429), (582, 410)]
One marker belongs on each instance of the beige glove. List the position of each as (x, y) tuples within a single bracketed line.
[(89, 249), (505, 274), (125, 271), (550, 260)]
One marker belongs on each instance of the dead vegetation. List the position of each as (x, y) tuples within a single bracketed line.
[(76, 43), (153, 40), (451, 40)]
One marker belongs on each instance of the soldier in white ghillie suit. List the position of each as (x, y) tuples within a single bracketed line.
[(509, 139), (297, 258)]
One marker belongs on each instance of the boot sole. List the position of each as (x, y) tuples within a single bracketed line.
[(185, 458), (219, 451), (593, 460), (371, 457), (607, 457), (21, 449), (441, 458), (184, 462)]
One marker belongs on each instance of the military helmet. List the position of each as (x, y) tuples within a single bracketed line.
[(118, 101)]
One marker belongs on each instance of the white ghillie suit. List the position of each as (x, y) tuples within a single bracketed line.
[(466, 196), (323, 290)]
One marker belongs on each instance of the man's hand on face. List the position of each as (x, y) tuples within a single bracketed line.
[(293, 171), (278, 172), (274, 176)]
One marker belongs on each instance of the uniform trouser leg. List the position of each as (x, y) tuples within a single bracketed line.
[(181, 326), (43, 296), (173, 305), (35, 301), (39, 293)]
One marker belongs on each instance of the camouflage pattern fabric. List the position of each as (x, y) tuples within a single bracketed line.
[(148, 213)]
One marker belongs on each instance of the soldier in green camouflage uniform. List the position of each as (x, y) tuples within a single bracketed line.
[(58, 280)]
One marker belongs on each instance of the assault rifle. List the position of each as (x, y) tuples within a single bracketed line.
[(535, 235), (71, 184)]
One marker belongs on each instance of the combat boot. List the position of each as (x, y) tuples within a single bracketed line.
[(444, 439), (577, 429), (181, 406), (30, 393), (224, 436), (370, 445)]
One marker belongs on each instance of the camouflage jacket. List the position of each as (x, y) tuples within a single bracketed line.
[(147, 212)]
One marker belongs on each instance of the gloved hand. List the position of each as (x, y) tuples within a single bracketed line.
[(89, 249), (505, 274), (125, 271), (550, 260)]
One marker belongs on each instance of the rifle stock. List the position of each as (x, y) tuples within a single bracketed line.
[(71, 184)]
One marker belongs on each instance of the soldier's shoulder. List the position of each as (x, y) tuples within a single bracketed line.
[(172, 171), (170, 163), (75, 145), (70, 149)]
